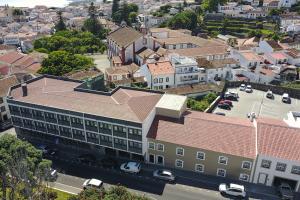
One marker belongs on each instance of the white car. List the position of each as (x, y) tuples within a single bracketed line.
[(270, 94), (242, 87), (232, 189), (163, 174), (131, 167), (286, 98), (248, 89), (92, 183)]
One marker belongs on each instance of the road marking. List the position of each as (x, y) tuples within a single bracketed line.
[(63, 190), (67, 185)]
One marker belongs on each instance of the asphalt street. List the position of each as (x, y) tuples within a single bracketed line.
[(74, 175)]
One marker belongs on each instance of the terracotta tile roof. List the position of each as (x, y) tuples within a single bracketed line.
[(6, 83), (203, 62), (4, 69), (145, 52), (201, 52), (200, 42), (11, 57), (277, 139), (204, 130), (158, 68), (274, 44), (124, 69), (60, 94), (250, 55), (294, 53), (278, 55), (84, 74), (124, 36), (267, 72)]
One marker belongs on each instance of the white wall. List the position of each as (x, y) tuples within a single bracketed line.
[(164, 83), (145, 128), (272, 173), (264, 47)]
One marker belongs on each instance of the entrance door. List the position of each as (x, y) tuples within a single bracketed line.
[(262, 178), (151, 158)]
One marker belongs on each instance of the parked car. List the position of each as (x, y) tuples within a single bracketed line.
[(220, 113), (92, 183), (224, 106), (242, 87), (88, 159), (248, 89), (285, 191), (286, 98), (233, 96), (232, 189), (164, 175), (131, 167), (270, 94), (226, 101), (51, 175), (109, 162)]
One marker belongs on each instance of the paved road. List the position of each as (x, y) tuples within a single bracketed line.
[(142, 184)]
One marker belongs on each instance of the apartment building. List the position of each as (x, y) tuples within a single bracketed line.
[(58, 110), (193, 142), (125, 42), (5, 84)]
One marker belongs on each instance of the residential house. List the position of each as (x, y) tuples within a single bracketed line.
[(276, 58), (186, 71), (11, 39), (218, 69), (5, 84), (159, 75), (125, 42), (288, 19), (293, 56), (278, 157), (247, 59), (269, 46), (288, 73), (123, 75), (146, 55)]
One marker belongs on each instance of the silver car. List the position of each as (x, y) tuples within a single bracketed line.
[(164, 175)]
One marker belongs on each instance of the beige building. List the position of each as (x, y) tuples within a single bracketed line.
[(204, 143)]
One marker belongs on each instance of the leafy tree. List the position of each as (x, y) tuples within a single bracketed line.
[(125, 12), (22, 169), (60, 26), (184, 20), (115, 7), (132, 7), (185, 3), (132, 17), (255, 33), (59, 63), (211, 5), (275, 12), (210, 97), (92, 24)]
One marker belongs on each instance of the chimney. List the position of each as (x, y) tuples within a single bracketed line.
[(24, 89)]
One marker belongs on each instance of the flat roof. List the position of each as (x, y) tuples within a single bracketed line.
[(171, 102), (124, 103)]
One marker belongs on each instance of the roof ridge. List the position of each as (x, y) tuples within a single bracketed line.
[(278, 125)]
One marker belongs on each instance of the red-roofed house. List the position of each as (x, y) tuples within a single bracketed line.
[(276, 58), (159, 75), (278, 157)]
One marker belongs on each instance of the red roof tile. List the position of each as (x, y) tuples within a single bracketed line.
[(277, 139), (158, 68), (227, 135)]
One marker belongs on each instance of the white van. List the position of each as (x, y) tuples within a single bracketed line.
[(286, 98)]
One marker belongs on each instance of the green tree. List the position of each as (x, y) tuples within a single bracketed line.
[(115, 7), (92, 24), (184, 20), (125, 12), (185, 3), (17, 13), (132, 7), (210, 97), (132, 17), (59, 63), (212, 5), (60, 26), (22, 169)]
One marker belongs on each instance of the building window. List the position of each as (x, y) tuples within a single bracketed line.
[(167, 79), (160, 160), (151, 158), (246, 165), (160, 147), (151, 145), (160, 87), (155, 80), (223, 160), (199, 168), (179, 151), (178, 163), (295, 169), (221, 172), (280, 167), (244, 177), (266, 164), (161, 80), (200, 155)]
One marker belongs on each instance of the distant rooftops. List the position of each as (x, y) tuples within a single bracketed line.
[(123, 103)]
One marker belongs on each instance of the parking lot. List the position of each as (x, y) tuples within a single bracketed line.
[(258, 103)]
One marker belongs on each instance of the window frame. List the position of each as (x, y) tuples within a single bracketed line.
[(282, 164), (177, 148), (245, 161), (156, 160), (242, 174), (218, 169), (220, 159), (198, 157), (153, 145), (268, 161), (163, 147), (199, 165), (180, 161)]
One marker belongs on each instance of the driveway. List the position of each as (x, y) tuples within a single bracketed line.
[(101, 61)]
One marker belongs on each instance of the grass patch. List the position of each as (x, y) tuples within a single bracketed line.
[(62, 195)]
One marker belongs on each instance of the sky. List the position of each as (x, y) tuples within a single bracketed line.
[(32, 3)]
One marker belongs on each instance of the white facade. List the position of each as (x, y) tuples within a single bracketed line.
[(266, 176), (11, 39), (264, 47)]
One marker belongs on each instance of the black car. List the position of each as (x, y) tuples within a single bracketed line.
[(231, 97), (109, 163), (224, 106), (88, 159), (220, 113)]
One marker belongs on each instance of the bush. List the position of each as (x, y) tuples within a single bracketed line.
[(42, 50), (201, 105)]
